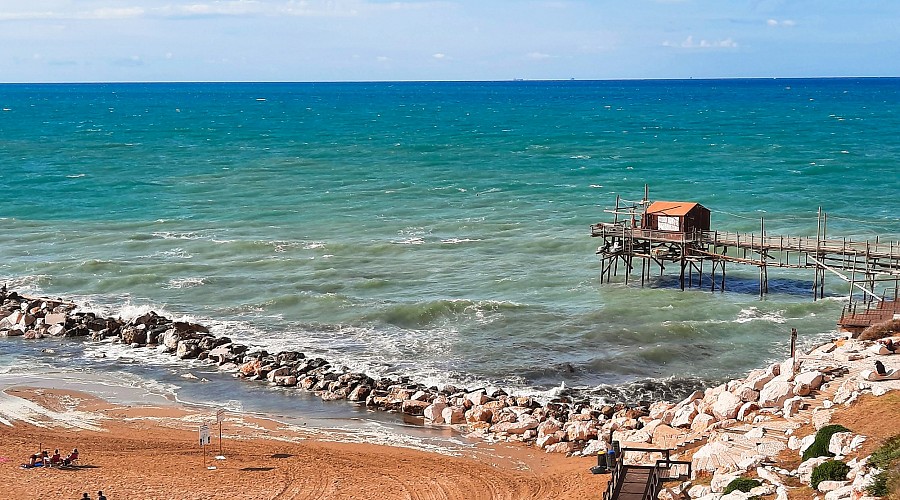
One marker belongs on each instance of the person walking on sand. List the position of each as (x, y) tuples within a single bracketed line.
[(85, 497), (100, 496)]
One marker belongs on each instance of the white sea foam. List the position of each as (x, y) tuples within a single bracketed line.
[(185, 283), (754, 314), (75, 176), (454, 241)]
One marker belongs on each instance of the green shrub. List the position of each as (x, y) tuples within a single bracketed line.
[(819, 448), (878, 487), (741, 484), (886, 454), (832, 470), (886, 457)]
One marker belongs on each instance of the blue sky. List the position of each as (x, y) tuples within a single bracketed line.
[(352, 40)]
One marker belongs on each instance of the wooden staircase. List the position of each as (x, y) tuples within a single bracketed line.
[(642, 481)]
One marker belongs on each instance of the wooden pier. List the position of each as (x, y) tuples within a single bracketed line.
[(678, 234)]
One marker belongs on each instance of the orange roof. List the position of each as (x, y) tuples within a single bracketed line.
[(671, 208)]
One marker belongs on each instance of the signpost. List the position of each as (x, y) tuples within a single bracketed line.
[(204, 440), (220, 416)]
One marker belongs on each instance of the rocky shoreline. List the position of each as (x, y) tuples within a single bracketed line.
[(730, 430)]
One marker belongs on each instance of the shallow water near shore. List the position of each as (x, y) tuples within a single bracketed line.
[(432, 230)]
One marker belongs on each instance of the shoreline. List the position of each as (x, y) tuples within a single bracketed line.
[(781, 399)]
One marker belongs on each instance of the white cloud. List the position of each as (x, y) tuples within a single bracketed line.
[(538, 55), (786, 23), (438, 56), (690, 43)]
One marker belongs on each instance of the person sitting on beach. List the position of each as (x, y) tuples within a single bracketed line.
[(33, 460), (85, 497), (879, 367), (55, 460), (101, 496), (71, 458), (889, 345)]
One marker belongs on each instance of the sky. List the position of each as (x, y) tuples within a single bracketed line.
[(374, 40)]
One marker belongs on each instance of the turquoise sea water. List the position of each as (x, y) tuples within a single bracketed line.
[(437, 230)]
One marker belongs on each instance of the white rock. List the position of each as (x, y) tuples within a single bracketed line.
[(840, 493), (767, 475), (580, 431), (698, 490), (812, 378), (594, 447), (747, 409), (793, 443), (726, 406), (701, 422), (826, 486), (806, 443), (684, 415), (546, 440), (453, 415), (775, 393), (720, 480), (756, 433), (563, 447), (434, 413), (880, 390), (792, 406), (839, 443)]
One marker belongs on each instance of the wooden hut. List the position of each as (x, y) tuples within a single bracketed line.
[(676, 217)]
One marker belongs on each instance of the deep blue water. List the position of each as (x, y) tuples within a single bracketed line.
[(439, 230)]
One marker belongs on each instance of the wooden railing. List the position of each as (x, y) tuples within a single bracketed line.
[(661, 471)]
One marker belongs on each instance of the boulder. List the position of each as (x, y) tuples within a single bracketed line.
[(839, 444), (826, 486), (580, 431), (360, 392), (414, 407), (747, 410), (726, 406), (479, 414), (518, 427), (456, 415), (434, 413), (811, 378), (775, 393), (701, 422), (546, 440), (684, 415), (561, 447), (792, 406)]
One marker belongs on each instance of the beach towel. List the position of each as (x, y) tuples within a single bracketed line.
[(873, 376), (880, 349)]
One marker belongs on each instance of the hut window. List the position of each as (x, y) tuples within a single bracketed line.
[(668, 223)]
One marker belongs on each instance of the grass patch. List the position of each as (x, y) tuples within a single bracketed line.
[(887, 457)]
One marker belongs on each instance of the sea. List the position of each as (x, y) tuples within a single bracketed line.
[(435, 230)]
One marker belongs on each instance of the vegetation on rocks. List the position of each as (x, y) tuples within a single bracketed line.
[(886, 458), (741, 484), (832, 470), (819, 448)]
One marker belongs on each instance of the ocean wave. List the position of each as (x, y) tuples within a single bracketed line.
[(419, 315), (754, 314), (178, 283), (455, 241)]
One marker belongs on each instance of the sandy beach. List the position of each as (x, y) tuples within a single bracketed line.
[(152, 452)]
